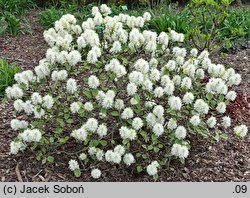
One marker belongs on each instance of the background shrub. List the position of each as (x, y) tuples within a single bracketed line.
[(7, 73)]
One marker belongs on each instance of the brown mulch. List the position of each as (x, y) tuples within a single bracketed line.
[(25, 49), (226, 161)]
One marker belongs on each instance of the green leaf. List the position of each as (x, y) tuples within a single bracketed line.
[(124, 8), (58, 130), (94, 143), (51, 159), (209, 96), (156, 149), (221, 97), (87, 93), (115, 113), (77, 172), (60, 122), (94, 92), (70, 121), (103, 142), (139, 168), (150, 147)]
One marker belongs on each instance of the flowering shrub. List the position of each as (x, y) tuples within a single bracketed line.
[(120, 94)]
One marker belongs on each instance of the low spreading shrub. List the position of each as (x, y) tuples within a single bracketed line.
[(109, 92)]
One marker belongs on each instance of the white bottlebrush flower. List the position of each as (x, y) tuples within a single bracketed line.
[(152, 168), (88, 106), (211, 122), (83, 156), (155, 75), (59, 75), (109, 156), (119, 149), (177, 80), (158, 92), (93, 82), (188, 98), (231, 95), (241, 130), (38, 112), (42, 70), (174, 103), (195, 120), (136, 77), (180, 132), (201, 106), (102, 130), (158, 111), (172, 124), (99, 154), (131, 89), (171, 65), (169, 88), (119, 104), (75, 107), (92, 151), (128, 159), (216, 85), (74, 57), (200, 74), (28, 107), (226, 122), (18, 124), (126, 133), (105, 10), (80, 134), (31, 135), (234, 80), (127, 113), (14, 92), (147, 16), (71, 86), (19, 105), (186, 83), (149, 104), (48, 102), (36, 98), (117, 47), (15, 147), (194, 52), (137, 123), (96, 173), (91, 124), (179, 151), (73, 165), (158, 129), (221, 107)]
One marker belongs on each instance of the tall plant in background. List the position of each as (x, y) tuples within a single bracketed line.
[(206, 19), (7, 73)]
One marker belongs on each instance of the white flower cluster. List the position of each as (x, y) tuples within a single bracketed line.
[(31, 135), (115, 156), (241, 130), (180, 151), (152, 168)]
